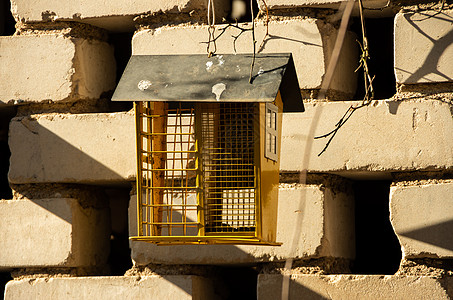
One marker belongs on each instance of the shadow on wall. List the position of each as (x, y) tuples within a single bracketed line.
[(41, 156), (63, 155), (431, 62), (46, 157), (439, 235)]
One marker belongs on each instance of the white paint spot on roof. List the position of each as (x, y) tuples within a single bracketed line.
[(144, 85), (217, 90), (221, 60)]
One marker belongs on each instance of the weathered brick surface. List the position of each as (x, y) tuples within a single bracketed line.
[(83, 148), (423, 52), (309, 40), (387, 136), (114, 15), (277, 4), (150, 287), (53, 232), (370, 287), (313, 221), (52, 67), (422, 217)]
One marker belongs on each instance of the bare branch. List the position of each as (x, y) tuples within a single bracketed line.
[(368, 81)]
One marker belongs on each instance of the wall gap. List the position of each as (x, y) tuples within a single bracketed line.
[(6, 114), (7, 22), (122, 44), (377, 248), (4, 278), (379, 32), (240, 11), (238, 282), (120, 253)]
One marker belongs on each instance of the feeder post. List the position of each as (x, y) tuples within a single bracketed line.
[(159, 146)]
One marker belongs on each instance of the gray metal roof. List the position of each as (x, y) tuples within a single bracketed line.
[(221, 78)]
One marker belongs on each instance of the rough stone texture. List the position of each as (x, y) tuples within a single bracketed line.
[(422, 217), (423, 52), (433, 267), (370, 287), (313, 221), (150, 287), (387, 136), (283, 7), (53, 232), (114, 15), (309, 40), (52, 67), (274, 4), (83, 148)]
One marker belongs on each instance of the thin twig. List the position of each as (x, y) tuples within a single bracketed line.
[(368, 82), (223, 30)]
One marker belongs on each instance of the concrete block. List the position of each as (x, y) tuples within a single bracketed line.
[(363, 287), (36, 68), (380, 10), (276, 4), (421, 213), (53, 232), (115, 15), (387, 136), (148, 287), (309, 40), (81, 148), (313, 221), (423, 52)]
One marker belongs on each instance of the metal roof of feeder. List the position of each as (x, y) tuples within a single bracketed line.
[(220, 78)]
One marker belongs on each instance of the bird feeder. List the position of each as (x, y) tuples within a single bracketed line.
[(208, 143)]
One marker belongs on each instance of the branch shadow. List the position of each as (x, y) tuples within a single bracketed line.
[(431, 62)]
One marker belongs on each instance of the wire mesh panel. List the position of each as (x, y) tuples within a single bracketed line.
[(168, 167), (229, 171), (197, 166)]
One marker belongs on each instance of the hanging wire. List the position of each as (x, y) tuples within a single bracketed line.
[(211, 28), (253, 42)]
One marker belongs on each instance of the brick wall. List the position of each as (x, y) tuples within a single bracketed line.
[(378, 201)]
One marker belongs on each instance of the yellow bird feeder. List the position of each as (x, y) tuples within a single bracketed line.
[(208, 144)]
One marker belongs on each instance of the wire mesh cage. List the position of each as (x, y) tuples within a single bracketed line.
[(198, 171), (167, 163), (208, 143)]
